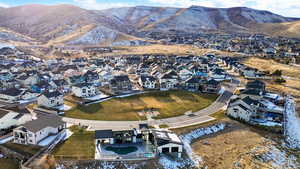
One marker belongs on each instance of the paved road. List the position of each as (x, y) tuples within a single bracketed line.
[(174, 122)]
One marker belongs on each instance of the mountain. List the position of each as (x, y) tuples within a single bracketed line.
[(68, 24), (287, 29), (194, 18)]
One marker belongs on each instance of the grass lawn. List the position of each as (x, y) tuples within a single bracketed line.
[(27, 150), (6, 163), (79, 146), (167, 103)]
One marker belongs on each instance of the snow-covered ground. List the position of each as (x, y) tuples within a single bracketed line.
[(292, 127), (7, 139), (97, 97), (50, 139), (63, 107)]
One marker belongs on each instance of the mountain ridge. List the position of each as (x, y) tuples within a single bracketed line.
[(56, 21)]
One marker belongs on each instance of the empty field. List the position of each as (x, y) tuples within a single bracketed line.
[(168, 104), (79, 146)]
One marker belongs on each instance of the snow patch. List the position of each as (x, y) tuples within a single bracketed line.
[(292, 127)]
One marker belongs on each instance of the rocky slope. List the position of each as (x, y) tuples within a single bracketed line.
[(73, 25)]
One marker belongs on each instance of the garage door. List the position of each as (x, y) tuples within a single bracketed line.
[(165, 150), (175, 149)]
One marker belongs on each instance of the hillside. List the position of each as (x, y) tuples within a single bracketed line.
[(69, 24), (287, 29)]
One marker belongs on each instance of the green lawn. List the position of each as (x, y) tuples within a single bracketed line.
[(27, 150), (80, 145), (8, 163), (168, 103)]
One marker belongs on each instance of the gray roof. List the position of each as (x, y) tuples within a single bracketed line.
[(103, 134), (42, 122)]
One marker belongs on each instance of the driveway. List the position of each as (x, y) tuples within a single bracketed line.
[(173, 122)]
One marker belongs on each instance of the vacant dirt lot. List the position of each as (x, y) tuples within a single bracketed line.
[(221, 150)]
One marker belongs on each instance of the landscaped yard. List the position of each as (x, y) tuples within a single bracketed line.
[(79, 146), (167, 103), (8, 164)]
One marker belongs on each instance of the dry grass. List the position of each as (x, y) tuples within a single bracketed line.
[(220, 150), (288, 29), (160, 49), (168, 104), (271, 65)]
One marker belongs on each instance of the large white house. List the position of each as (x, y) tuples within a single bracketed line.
[(33, 132), (84, 90), (10, 118), (14, 95), (51, 99), (148, 82)]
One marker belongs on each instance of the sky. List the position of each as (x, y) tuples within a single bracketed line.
[(289, 8)]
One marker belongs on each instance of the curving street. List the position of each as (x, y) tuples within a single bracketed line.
[(198, 117)]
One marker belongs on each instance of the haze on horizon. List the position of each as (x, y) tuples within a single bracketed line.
[(289, 8)]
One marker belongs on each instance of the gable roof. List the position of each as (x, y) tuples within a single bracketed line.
[(42, 122), (52, 94), (12, 92)]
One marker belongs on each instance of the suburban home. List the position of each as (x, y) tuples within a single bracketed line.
[(14, 95), (192, 84), (120, 84), (184, 74), (115, 137), (84, 90), (33, 132), (148, 82), (244, 109), (50, 99), (256, 85), (211, 86), (10, 118), (169, 80), (27, 80), (166, 142)]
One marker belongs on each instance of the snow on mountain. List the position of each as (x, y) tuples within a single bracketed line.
[(57, 21), (97, 35)]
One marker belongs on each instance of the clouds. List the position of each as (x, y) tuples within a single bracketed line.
[(4, 5), (282, 7)]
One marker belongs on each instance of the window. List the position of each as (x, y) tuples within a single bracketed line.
[(83, 90), (30, 135)]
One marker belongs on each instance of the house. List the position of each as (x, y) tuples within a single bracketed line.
[(120, 84), (184, 74), (14, 95), (166, 142), (192, 84), (169, 80), (243, 109), (27, 80), (10, 118), (51, 99), (33, 132), (211, 86), (84, 90), (256, 85), (148, 82), (115, 137)]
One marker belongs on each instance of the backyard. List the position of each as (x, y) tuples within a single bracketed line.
[(79, 146), (6, 163), (167, 103)]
